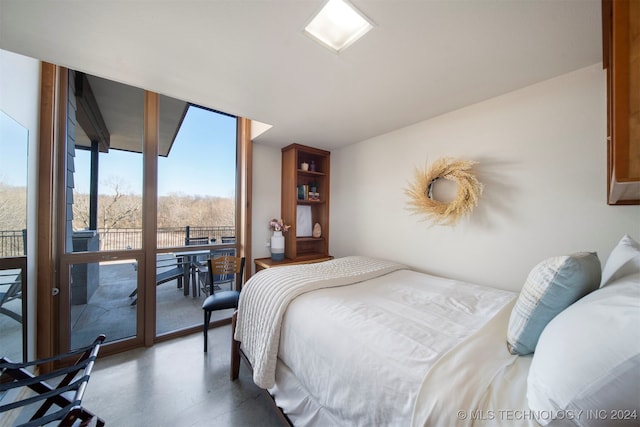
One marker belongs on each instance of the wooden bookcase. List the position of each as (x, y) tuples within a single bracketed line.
[(296, 247)]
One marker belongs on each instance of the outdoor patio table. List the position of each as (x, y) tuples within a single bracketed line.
[(192, 258)]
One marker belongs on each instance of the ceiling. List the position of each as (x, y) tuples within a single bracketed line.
[(251, 58)]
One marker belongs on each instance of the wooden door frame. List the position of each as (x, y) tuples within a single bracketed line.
[(50, 112)]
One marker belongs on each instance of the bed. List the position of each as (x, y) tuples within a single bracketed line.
[(362, 341)]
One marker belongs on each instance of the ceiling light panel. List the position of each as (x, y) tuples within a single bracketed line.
[(338, 25)]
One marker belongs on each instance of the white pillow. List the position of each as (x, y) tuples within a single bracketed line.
[(552, 285), (588, 359), (623, 260)]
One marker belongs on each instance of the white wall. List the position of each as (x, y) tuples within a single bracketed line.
[(20, 99), (542, 157), (265, 197)]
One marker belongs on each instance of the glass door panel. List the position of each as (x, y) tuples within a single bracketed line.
[(101, 282), (196, 175), (183, 284), (104, 298), (14, 140), (178, 292), (13, 308), (104, 182)]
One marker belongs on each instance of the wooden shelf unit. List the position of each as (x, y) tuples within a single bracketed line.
[(307, 247)]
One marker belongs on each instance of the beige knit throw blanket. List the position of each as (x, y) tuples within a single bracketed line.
[(265, 297)]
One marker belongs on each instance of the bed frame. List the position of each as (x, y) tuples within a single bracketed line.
[(236, 355)]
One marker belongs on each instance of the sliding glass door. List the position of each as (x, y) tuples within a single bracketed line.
[(150, 193)]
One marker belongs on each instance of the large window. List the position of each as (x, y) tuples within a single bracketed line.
[(196, 215), (196, 177), (14, 139), (125, 260)]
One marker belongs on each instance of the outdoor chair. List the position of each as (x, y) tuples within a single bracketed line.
[(173, 268), (10, 290), (201, 269), (221, 300), (67, 395)]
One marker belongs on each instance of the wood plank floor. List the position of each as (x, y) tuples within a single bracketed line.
[(176, 384)]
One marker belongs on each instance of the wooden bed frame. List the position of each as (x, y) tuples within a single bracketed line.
[(236, 355)]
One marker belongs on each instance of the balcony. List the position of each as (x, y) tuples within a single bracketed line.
[(110, 308)]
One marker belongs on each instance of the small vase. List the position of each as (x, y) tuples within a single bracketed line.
[(277, 246)]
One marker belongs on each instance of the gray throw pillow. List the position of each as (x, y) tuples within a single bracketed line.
[(552, 285)]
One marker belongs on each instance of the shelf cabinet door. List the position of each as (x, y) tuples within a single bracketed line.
[(621, 43)]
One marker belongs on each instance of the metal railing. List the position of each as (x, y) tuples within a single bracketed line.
[(12, 242), (131, 238)]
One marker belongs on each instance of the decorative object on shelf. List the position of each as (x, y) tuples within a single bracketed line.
[(312, 166), (317, 230), (308, 192), (313, 191), (277, 239), (441, 213), (304, 166), (277, 246), (303, 221)]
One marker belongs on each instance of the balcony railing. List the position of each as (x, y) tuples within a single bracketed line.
[(12, 242)]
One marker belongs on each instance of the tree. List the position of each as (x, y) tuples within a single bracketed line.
[(13, 219), (116, 209)]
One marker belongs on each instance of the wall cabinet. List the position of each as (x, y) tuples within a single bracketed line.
[(621, 58), (305, 201)]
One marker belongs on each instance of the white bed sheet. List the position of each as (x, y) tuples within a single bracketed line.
[(505, 402), (478, 383), (361, 352)]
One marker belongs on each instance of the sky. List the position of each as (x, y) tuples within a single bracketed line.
[(14, 144), (201, 162)]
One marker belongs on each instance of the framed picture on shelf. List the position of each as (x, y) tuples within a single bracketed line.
[(303, 222)]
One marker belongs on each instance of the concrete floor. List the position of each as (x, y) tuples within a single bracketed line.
[(176, 384), (173, 383)]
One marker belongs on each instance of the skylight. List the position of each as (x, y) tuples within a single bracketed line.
[(338, 25)]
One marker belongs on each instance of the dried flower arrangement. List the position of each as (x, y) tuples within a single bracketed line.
[(278, 225), (469, 190)]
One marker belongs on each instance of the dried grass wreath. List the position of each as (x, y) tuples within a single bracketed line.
[(420, 192)]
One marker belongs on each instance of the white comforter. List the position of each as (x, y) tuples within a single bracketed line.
[(361, 352), (266, 295)]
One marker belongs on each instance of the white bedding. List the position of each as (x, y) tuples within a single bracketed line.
[(266, 296), (359, 353), (477, 383)]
